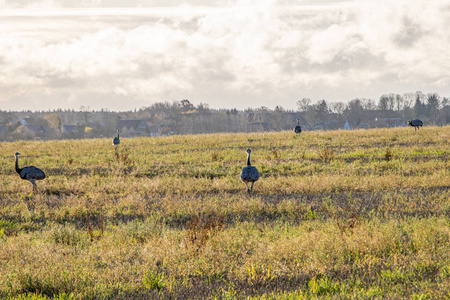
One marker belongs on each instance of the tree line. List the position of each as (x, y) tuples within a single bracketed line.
[(184, 117)]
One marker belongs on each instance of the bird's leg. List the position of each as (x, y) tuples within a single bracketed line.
[(251, 189), (33, 182), (248, 189)]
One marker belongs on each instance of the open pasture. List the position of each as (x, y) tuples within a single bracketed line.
[(335, 214)]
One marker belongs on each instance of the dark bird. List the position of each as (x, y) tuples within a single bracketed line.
[(30, 173), (116, 140), (416, 123), (297, 129), (249, 173)]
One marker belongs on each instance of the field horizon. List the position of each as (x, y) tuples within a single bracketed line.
[(335, 214)]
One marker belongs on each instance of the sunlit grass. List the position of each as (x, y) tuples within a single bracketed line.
[(345, 214)]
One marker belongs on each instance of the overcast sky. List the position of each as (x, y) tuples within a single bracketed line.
[(126, 54)]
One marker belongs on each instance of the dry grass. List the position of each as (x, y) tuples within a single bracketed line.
[(343, 214)]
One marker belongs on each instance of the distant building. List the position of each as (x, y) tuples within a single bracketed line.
[(31, 131), (130, 128), (160, 130), (382, 122), (347, 126), (3, 129), (68, 128), (25, 121), (332, 125)]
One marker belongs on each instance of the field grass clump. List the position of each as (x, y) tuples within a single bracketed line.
[(339, 214)]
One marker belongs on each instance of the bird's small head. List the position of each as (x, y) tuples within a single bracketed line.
[(17, 154), (409, 123), (249, 151)]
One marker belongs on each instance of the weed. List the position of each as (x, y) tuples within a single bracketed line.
[(258, 277), (154, 281), (276, 154), (388, 154), (90, 230), (322, 286), (326, 154), (201, 229)]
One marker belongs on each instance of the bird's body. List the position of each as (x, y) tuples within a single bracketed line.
[(116, 140), (297, 128), (249, 174), (416, 123), (30, 173)]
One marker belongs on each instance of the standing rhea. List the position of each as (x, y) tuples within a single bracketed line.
[(249, 173), (297, 129), (30, 173), (416, 123), (116, 140)]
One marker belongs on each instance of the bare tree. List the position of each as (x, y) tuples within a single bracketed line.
[(303, 104), (337, 108)]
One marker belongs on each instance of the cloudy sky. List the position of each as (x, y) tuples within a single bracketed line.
[(126, 54)]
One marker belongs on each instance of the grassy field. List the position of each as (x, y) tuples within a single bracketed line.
[(335, 214)]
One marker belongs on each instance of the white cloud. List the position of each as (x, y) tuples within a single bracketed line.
[(236, 54)]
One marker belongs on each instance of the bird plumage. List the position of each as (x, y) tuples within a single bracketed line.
[(249, 174), (116, 140), (416, 123), (298, 129), (30, 173)]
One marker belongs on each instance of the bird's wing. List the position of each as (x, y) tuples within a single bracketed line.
[(32, 173), (254, 173), (249, 173)]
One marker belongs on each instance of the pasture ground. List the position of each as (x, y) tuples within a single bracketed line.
[(335, 214)]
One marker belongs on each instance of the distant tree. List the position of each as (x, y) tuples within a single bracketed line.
[(391, 101), (445, 102), (383, 104), (303, 104), (419, 105), (322, 110), (337, 108), (354, 112), (368, 104), (433, 102), (278, 109), (398, 102), (186, 105), (53, 120), (203, 108), (85, 113)]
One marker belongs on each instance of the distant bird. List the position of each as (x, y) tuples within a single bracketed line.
[(249, 173), (116, 140), (30, 173), (416, 123), (297, 129)]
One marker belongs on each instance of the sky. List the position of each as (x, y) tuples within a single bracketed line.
[(128, 54)]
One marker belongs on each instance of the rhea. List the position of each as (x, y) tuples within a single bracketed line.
[(30, 173), (416, 123), (249, 174), (297, 129), (116, 140)]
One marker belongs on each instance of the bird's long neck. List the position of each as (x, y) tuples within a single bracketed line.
[(117, 133), (248, 160), (298, 122), (17, 165)]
